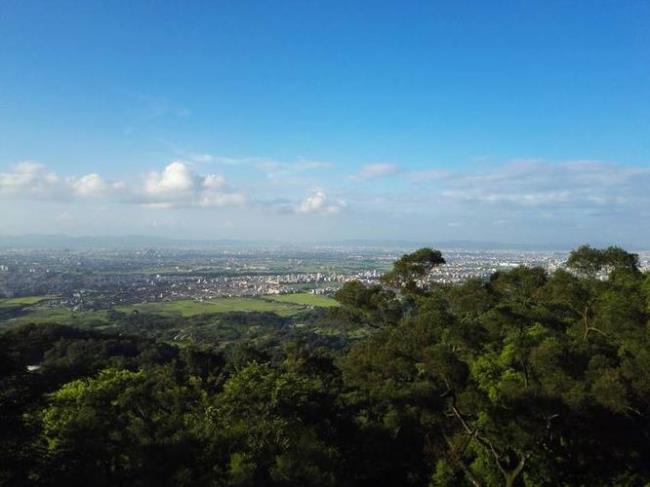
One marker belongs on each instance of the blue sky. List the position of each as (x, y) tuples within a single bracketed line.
[(520, 122)]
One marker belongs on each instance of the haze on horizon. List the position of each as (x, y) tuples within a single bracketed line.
[(322, 121)]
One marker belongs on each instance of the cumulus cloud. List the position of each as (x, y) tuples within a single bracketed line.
[(93, 185), (317, 202), (175, 180), (214, 181), (517, 189), (176, 185), (31, 179), (90, 185), (373, 171)]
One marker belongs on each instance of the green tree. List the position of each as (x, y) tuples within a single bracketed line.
[(410, 271), (271, 426), (121, 428), (588, 261), (372, 305)]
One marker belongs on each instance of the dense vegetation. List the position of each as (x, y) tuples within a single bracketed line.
[(524, 379)]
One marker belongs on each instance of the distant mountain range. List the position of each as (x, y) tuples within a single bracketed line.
[(61, 241)]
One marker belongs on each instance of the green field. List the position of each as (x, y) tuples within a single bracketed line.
[(61, 316), (284, 305), (305, 299), (189, 307), (25, 300)]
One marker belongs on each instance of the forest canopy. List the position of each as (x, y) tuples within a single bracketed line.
[(527, 378)]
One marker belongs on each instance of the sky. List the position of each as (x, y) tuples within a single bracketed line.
[(521, 122)]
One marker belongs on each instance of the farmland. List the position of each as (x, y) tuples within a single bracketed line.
[(31, 309), (25, 301), (305, 299), (189, 307)]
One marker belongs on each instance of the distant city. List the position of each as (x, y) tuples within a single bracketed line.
[(92, 279)]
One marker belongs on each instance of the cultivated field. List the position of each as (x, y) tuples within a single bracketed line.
[(305, 299), (25, 301), (189, 307), (32, 309)]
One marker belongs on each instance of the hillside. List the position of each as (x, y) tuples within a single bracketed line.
[(527, 378)]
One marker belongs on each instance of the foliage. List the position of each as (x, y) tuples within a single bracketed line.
[(523, 379), (589, 261), (411, 268), (306, 299)]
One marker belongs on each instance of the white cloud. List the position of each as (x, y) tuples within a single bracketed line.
[(534, 183), (373, 171), (175, 180), (214, 181), (290, 172), (201, 157), (518, 191), (33, 180), (30, 179), (176, 185), (94, 186), (317, 202), (273, 168)]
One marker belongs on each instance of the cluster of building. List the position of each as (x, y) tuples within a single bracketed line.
[(461, 265), (102, 279)]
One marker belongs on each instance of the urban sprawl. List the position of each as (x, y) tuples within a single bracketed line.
[(101, 279)]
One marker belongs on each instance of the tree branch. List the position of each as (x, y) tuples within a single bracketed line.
[(459, 461)]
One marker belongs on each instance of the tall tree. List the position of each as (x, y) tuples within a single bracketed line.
[(410, 271)]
